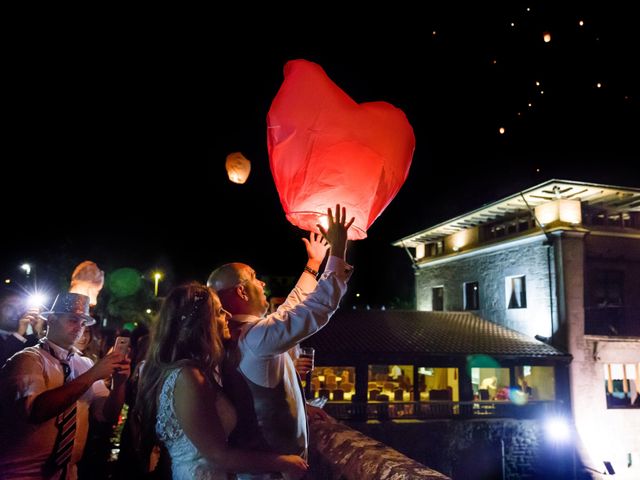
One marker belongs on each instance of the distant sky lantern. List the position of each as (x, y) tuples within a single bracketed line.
[(546, 37), (238, 167), (324, 149), (501, 130)]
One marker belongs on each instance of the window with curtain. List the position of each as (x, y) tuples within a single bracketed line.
[(622, 385), (516, 290)]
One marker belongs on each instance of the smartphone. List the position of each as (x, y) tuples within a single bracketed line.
[(122, 345)]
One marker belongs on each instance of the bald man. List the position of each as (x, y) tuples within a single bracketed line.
[(259, 374)]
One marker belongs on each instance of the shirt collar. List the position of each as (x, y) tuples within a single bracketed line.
[(58, 351), (244, 318)]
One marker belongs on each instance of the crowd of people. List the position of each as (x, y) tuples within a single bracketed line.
[(215, 391)]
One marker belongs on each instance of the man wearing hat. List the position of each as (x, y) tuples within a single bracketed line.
[(45, 395)]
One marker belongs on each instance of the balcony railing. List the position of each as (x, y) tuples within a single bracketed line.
[(612, 321), (339, 452), (437, 409)]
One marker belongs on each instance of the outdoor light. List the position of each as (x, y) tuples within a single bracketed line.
[(546, 37), (557, 429), (26, 267), (238, 167), (568, 211), (156, 276), (325, 149)]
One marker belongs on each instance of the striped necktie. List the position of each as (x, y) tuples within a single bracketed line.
[(66, 421), (66, 425)]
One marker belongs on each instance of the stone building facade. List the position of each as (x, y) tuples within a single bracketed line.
[(559, 261)]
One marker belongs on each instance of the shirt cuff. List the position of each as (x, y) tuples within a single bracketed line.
[(19, 337), (341, 268)]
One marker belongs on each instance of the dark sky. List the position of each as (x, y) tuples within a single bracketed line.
[(133, 122)]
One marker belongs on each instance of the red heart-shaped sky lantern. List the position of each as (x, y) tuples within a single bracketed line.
[(324, 149)]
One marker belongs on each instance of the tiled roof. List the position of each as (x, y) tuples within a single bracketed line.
[(425, 333)]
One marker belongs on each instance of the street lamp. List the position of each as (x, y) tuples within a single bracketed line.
[(156, 276), (27, 268)]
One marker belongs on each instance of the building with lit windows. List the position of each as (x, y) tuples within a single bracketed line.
[(559, 262)]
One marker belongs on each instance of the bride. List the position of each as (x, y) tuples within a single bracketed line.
[(180, 401)]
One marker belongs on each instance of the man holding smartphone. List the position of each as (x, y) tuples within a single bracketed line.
[(46, 392), (16, 319)]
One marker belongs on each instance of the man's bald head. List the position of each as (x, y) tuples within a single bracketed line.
[(239, 290), (226, 276)]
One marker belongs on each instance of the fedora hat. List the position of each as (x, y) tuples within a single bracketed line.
[(72, 304)]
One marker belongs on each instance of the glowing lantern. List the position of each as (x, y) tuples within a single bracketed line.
[(238, 167), (87, 279), (324, 149), (546, 37)]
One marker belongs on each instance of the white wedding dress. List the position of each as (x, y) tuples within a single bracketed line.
[(186, 461)]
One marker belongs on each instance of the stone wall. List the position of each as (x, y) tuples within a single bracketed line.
[(339, 452), (490, 268), (478, 449)]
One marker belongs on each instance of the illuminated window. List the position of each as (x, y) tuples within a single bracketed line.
[(471, 296), (537, 382), (516, 290), (437, 299), (622, 384), (336, 383), (436, 248), (393, 383), (490, 383), (440, 380)]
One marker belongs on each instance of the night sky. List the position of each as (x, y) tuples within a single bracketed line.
[(133, 123)]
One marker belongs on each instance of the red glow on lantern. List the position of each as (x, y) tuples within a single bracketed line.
[(324, 149)]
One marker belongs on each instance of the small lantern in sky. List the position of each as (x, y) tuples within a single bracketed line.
[(546, 37), (88, 280), (325, 149), (238, 167)]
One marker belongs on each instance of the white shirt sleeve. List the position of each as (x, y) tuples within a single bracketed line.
[(22, 381), (293, 322)]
